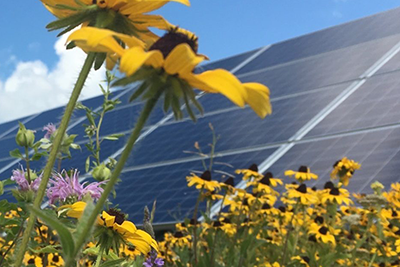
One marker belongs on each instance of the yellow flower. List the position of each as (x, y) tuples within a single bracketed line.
[(338, 195), (115, 220), (168, 65), (54, 259), (303, 174), (304, 260), (124, 16), (302, 193), (251, 172), (204, 181), (32, 260), (343, 170), (323, 233)]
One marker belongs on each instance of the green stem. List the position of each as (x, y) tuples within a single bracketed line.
[(99, 256), (117, 171), (195, 226), (28, 169), (53, 154)]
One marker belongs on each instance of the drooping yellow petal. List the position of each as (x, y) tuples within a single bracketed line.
[(145, 6), (181, 60), (76, 209), (146, 20), (223, 82), (127, 228), (136, 57), (108, 219), (96, 40), (258, 98), (142, 241)]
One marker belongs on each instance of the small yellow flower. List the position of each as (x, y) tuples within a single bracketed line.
[(344, 169), (251, 172), (303, 174), (204, 181)]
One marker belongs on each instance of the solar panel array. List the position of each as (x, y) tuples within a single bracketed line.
[(334, 93)]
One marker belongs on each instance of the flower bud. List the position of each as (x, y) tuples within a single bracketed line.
[(101, 173), (25, 138)]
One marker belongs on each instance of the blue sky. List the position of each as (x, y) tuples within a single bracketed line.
[(224, 27)]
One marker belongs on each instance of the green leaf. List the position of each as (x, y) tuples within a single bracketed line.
[(47, 249), (113, 137), (139, 91), (112, 263), (67, 242), (16, 154), (188, 108), (100, 57), (87, 164)]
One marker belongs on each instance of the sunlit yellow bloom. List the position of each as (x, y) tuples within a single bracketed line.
[(304, 260), (204, 181), (301, 192), (54, 260), (32, 260), (303, 174), (175, 56), (343, 169)]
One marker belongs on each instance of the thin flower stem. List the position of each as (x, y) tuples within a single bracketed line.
[(13, 242), (150, 104), (195, 226), (53, 154), (27, 165), (99, 256)]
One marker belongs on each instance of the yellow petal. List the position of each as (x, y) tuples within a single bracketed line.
[(145, 20), (221, 81), (142, 241), (181, 60), (141, 7), (126, 228), (108, 219), (258, 98), (76, 209), (136, 57)]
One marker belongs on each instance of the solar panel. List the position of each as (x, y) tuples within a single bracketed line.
[(334, 93)]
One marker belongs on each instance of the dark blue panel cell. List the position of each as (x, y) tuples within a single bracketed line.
[(391, 65), (377, 151), (327, 69), (237, 128), (227, 63), (6, 165), (373, 104), (6, 145), (5, 128), (119, 120), (338, 37), (167, 185)]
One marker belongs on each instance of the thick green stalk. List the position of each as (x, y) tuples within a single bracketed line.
[(53, 154), (117, 171)]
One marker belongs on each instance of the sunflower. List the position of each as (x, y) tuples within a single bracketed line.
[(303, 174), (167, 66), (344, 169), (323, 233), (119, 15), (204, 181), (115, 221)]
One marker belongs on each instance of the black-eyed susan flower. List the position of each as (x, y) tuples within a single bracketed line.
[(324, 233), (168, 66), (344, 169), (302, 193), (336, 195), (130, 17), (303, 260), (303, 174), (34, 260), (114, 224), (265, 184), (250, 173), (55, 260), (204, 181)]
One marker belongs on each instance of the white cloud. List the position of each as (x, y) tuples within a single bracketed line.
[(33, 87)]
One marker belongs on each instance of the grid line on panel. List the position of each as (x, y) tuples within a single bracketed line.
[(282, 150), (16, 126), (73, 124), (169, 116)]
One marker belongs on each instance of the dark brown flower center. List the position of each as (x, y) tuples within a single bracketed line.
[(334, 191), (336, 163), (119, 216), (253, 168), (172, 39), (329, 185), (31, 261), (266, 206), (319, 220), (206, 176), (56, 258), (230, 182), (302, 188), (306, 259), (178, 234), (323, 230), (303, 169), (266, 179)]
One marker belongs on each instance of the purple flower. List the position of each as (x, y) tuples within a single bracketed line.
[(63, 187), (19, 177), (153, 261), (50, 128)]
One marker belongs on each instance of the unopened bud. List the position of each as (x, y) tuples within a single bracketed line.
[(25, 138), (101, 173)]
